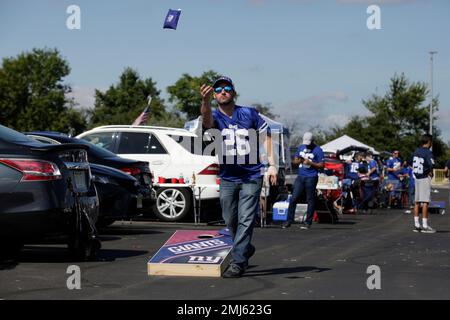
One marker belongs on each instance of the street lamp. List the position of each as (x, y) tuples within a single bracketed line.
[(431, 89)]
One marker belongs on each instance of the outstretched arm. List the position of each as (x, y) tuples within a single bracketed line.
[(205, 109)]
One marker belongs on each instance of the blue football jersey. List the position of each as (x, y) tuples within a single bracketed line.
[(352, 170), (315, 155), (391, 164), (373, 164), (239, 156), (422, 162)]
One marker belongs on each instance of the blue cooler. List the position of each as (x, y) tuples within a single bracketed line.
[(280, 211)]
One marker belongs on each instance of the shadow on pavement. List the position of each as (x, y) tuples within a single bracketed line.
[(288, 270), (41, 254), (108, 238), (113, 254), (335, 228), (125, 231), (345, 223), (8, 264)]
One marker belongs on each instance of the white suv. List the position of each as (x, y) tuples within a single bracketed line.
[(172, 157)]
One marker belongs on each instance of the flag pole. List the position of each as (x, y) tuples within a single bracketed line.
[(149, 100)]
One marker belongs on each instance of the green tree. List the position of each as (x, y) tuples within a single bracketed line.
[(397, 119), (185, 93), (33, 95), (124, 102)]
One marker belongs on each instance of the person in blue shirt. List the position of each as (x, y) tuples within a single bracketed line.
[(446, 170), (369, 179), (241, 170), (422, 162), (373, 166), (394, 166), (411, 185), (310, 159), (351, 183), (352, 170)]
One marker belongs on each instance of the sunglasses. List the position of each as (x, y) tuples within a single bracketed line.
[(226, 88)]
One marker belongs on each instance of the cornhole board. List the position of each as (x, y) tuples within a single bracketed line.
[(436, 207), (195, 253)]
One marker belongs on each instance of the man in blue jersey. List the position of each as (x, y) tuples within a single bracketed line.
[(372, 166), (352, 180), (422, 163), (446, 170), (369, 181), (309, 158), (394, 166), (411, 185), (241, 171)]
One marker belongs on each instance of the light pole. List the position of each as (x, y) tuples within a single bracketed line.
[(431, 89)]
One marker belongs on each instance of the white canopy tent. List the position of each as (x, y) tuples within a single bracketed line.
[(344, 142)]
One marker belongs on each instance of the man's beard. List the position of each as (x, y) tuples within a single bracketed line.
[(224, 102)]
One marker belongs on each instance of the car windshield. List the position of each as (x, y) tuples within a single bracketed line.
[(100, 152), (12, 135), (95, 150)]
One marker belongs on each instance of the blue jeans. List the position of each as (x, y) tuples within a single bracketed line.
[(240, 204), (307, 184), (411, 193)]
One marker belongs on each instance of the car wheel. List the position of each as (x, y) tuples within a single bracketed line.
[(172, 204)]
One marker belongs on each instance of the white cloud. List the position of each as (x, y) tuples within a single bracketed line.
[(336, 120), (369, 2), (326, 110), (365, 2), (83, 96), (443, 122)]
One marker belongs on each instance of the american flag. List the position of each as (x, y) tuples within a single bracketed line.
[(142, 119)]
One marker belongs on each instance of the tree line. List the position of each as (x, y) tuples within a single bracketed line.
[(34, 96)]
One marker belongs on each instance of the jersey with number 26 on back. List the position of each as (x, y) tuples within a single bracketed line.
[(422, 162)]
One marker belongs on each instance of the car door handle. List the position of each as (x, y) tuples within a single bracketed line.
[(157, 162)]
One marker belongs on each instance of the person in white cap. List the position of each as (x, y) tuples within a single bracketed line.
[(309, 157)]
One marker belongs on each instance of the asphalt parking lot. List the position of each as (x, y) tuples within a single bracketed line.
[(325, 262)]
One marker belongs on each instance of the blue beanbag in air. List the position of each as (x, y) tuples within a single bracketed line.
[(172, 17)]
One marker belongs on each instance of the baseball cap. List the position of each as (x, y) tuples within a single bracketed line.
[(223, 79), (307, 138)]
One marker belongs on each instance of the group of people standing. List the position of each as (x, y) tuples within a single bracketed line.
[(241, 181)]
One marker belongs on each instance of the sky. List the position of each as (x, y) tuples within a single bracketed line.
[(312, 61)]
